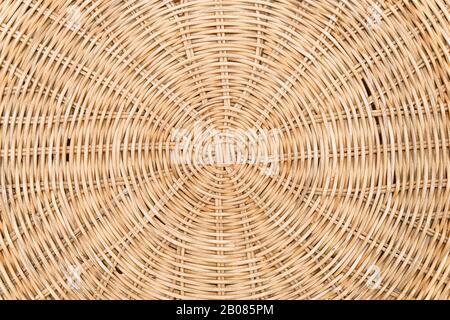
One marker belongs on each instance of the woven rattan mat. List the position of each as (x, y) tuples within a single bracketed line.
[(157, 149)]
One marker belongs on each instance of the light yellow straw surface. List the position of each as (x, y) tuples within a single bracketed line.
[(95, 205)]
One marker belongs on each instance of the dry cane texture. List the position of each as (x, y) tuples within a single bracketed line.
[(117, 182)]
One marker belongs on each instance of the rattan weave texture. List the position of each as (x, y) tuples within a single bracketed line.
[(349, 99)]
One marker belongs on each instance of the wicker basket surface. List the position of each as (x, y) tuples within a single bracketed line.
[(118, 180)]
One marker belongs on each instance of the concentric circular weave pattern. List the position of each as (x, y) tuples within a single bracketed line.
[(94, 204)]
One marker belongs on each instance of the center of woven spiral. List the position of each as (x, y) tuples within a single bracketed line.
[(205, 146)]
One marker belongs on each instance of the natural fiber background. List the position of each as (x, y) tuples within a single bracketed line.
[(93, 206)]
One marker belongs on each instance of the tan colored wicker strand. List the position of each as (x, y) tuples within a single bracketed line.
[(353, 202)]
